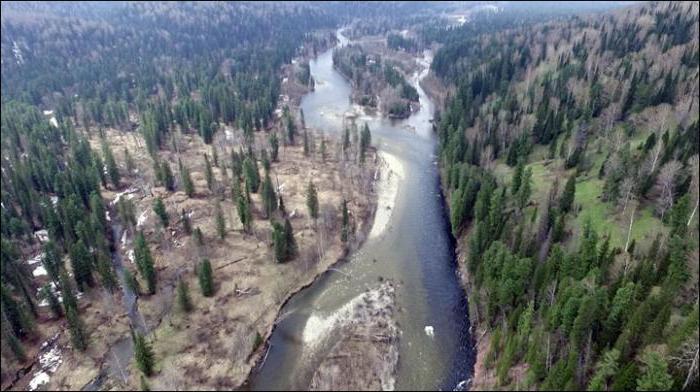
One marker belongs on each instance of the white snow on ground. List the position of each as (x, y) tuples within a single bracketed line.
[(53, 122), (54, 200), (36, 259), (120, 194), (41, 235), (142, 219), (39, 271), (429, 330), (229, 134), (130, 255), (48, 364), (392, 172), (107, 216), (48, 112)]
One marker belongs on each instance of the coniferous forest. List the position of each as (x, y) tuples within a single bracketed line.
[(163, 196)]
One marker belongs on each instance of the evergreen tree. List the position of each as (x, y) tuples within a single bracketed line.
[(12, 341), (244, 212), (48, 295), (220, 221), (208, 172), (131, 282), (291, 242), (187, 183), (144, 262), (345, 228), (77, 329), (143, 353), (183, 296), (525, 189), (186, 222), (567, 197), (168, 179), (13, 313), (279, 242), (365, 141), (517, 177), (52, 260), (252, 177), (312, 201), (206, 281), (198, 236), (306, 143), (655, 375), (274, 146), (107, 276), (159, 209), (81, 263), (269, 196), (112, 169), (130, 166)]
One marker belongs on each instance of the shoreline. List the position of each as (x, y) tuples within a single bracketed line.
[(361, 236)]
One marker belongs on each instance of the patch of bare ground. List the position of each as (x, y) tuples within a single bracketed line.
[(214, 346)]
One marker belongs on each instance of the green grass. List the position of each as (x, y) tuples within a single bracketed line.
[(605, 219)]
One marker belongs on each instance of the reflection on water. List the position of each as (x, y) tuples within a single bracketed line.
[(416, 250)]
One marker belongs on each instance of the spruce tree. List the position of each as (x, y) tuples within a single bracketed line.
[(159, 209), (183, 296), (345, 229), (517, 177), (312, 201), (144, 262), (220, 221), (112, 169), (655, 376), (269, 196), (290, 241), (130, 166), (48, 295), (365, 141), (567, 197), (131, 282), (186, 222), (13, 312), (252, 178), (12, 341), (167, 179), (143, 353), (107, 275), (198, 236), (81, 262), (208, 172), (206, 282), (525, 189), (279, 242), (187, 183), (244, 212), (77, 329), (52, 260), (274, 146)]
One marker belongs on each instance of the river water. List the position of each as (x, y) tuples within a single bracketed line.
[(415, 250)]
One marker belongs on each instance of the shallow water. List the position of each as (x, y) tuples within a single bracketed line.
[(415, 250)]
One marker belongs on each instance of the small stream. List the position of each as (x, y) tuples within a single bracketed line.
[(121, 353), (410, 244)]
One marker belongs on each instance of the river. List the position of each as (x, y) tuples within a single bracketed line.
[(415, 250)]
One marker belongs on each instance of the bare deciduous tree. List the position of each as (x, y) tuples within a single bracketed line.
[(665, 181)]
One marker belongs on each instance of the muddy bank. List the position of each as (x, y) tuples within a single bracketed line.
[(364, 351)]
